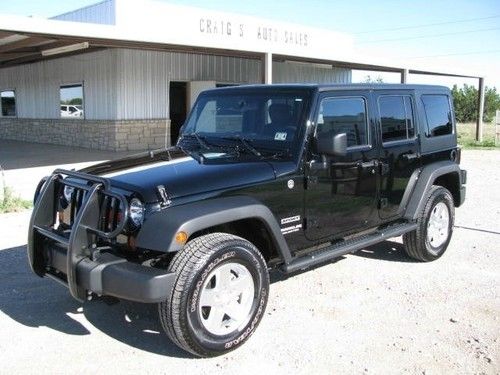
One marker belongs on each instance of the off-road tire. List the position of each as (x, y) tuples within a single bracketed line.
[(416, 242), (179, 313)]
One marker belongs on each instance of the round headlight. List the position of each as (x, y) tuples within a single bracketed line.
[(136, 212), (68, 192)]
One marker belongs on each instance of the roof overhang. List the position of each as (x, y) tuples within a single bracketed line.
[(27, 40)]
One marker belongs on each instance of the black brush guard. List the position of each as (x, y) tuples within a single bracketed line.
[(85, 268)]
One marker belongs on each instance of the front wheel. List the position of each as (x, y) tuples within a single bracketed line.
[(435, 226), (219, 295)]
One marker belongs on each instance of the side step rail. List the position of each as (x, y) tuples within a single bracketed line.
[(350, 246)]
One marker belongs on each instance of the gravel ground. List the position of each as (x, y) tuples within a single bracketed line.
[(372, 312), (23, 164)]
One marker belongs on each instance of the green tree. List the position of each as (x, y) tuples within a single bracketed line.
[(75, 101), (465, 101)]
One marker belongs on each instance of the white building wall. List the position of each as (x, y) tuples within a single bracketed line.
[(37, 85), (143, 81), (301, 73), (123, 84)]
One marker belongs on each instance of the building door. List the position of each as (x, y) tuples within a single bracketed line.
[(178, 108)]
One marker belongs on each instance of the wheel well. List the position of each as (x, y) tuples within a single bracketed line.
[(253, 230), (450, 181)]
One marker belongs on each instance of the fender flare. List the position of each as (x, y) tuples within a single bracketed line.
[(424, 182), (158, 231)]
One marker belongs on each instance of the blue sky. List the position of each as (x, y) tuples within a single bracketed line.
[(458, 33)]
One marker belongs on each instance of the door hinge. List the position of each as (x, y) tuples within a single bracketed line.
[(384, 169), (312, 180)]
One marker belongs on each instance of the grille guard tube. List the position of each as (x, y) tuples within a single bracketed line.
[(84, 227)]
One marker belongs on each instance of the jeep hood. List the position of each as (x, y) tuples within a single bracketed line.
[(181, 174)]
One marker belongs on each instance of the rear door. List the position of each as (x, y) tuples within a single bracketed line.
[(341, 196), (399, 155)]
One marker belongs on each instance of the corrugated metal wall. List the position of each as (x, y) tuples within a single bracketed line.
[(37, 85), (301, 73), (102, 13), (144, 78), (133, 84)]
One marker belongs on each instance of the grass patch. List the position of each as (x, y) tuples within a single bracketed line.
[(467, 136), (12, 203)]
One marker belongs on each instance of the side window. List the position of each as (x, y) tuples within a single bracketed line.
[(8, 103), (344, 115), (396, 118), (438, 114)]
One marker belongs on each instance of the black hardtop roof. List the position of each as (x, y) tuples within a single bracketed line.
[(332, 87)]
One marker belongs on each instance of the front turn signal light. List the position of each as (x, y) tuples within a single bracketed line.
[(181, 237)]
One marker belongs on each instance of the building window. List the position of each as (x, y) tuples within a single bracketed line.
[(8, 103), (344, 115), (71, 101), (438, 115), (396, 118)]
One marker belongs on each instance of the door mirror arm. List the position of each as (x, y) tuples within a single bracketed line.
[(318, 165)]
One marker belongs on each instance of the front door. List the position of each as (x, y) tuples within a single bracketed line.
[(341, 193)]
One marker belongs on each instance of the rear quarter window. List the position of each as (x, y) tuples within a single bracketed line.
[(438, 115)]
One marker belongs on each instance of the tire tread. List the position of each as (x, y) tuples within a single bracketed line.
[(415, 241), (185, 263)]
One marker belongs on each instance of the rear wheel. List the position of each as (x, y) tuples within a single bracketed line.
[(219, 295), (435, 226)]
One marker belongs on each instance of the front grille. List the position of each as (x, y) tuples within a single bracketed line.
[(75, 223), (110, 209), (111, 214)]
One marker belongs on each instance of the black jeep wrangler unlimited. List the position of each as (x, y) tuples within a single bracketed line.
[(265, 176)]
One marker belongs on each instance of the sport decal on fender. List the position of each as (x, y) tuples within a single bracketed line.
[(290, 219), (291, 229)]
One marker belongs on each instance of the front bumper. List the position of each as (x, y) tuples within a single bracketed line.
[(75, 260), (107, 274)]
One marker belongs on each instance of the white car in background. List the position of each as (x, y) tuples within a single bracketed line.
[(71, 110)]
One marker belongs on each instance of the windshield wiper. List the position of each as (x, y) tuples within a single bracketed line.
[(276, 153), (199, 139), (245, 142)]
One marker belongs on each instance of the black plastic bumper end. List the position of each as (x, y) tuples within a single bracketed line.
[(110, 275)]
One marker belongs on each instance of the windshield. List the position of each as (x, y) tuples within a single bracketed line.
[(270, 119)]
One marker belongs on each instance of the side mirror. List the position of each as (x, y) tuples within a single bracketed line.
[(336, 145)]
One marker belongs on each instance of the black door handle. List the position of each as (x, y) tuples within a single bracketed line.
[(410, 156), (367, 164)]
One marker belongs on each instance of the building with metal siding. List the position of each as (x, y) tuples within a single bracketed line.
[(137, 83), (102, 13), (37, 85)]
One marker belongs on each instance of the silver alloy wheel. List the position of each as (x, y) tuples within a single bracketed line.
[(438, 225), (226, 299)]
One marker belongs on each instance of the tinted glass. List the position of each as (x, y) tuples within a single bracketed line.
[(72, 94), (256, 116), (396, 116), (8, 103), (344, 115), (438, 114)]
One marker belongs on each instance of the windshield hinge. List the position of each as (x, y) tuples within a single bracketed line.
[(165, 200)]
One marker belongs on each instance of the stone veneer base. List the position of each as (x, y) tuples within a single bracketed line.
[(114, 135)]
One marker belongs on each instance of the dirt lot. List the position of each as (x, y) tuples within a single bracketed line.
[(372, 312)]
